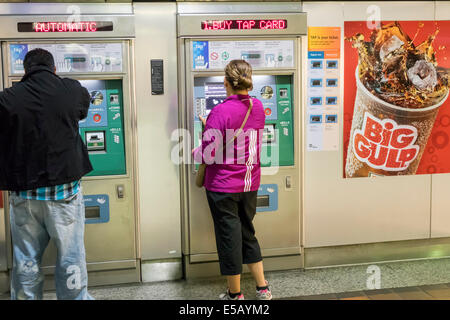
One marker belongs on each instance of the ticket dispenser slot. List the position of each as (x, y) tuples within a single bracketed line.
[(95, 141)]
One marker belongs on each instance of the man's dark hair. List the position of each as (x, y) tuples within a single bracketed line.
[(38, 57)]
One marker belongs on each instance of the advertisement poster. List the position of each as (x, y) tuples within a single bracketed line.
[(323, 93), (396, 106), (260, 54)]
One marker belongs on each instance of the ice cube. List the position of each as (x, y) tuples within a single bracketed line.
[(423, 75), (390, 45)]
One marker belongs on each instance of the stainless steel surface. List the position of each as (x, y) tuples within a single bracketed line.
[(157, 120), (211, 269), (44, 9), (100, 266), (104, 277), (114, 242), (278, 232), (377, 252), (161, 270), (189, 24), (4, 282), (123, 27), (238, 6), (277, 252)]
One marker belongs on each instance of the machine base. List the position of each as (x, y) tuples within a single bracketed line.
[(102, 274), (4, 282), (376, 252), (211, 269), (162, 270), (95, 277)]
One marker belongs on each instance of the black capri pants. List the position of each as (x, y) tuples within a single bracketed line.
[(233, 214)]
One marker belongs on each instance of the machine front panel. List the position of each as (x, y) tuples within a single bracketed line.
[(102, 68), (102, 130), (274, 76)]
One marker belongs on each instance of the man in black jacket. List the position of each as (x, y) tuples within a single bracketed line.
[(42, 159)]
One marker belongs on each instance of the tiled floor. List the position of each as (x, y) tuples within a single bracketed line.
[(411, 280), (432, 292)]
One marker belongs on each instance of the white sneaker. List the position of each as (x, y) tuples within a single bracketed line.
[(265, 294), (226, 296)]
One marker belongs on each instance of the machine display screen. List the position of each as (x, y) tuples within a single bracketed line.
[(244, 24), (64, 26)]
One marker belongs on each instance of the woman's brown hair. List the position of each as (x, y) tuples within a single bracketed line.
[(239, 74)]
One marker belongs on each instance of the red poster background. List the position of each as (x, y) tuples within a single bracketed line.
[(436, 158)]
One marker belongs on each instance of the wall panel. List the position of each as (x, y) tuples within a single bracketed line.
[(340, 211)]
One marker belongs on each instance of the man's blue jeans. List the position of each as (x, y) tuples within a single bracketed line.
[(33, 224)]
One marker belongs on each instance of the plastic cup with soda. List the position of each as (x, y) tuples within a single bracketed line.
[(386, 139)]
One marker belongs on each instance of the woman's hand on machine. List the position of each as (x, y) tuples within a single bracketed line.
[(203, 120)]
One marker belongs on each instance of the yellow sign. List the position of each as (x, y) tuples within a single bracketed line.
[(327, 39)]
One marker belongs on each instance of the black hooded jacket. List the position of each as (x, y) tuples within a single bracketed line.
[(40, 144)]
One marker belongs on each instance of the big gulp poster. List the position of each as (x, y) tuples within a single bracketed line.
[(396, 106)]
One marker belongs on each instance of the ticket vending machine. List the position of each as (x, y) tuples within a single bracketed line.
[(97, 50), (271, 43)]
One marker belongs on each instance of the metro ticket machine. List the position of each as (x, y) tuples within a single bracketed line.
[(271, 43), (97, 50)]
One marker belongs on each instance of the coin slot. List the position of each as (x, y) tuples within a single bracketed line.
[(283, 93)]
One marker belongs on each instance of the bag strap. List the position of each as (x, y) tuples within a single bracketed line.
[(242, 126)]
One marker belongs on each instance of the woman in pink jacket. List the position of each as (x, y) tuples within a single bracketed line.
[(232, 179)]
